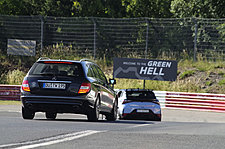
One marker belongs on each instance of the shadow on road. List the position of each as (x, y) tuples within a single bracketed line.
[(100, 121)]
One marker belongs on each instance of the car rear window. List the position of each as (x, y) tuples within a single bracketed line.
[(61, 69), (140, 95)]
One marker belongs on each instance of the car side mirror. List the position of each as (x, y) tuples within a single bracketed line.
[(112, 81)]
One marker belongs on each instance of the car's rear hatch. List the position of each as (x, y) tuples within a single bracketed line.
[(55, 78), (140, 96)]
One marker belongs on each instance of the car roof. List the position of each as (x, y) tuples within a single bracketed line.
[(136, 90), (43, 59)]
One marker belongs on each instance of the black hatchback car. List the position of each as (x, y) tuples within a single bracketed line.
[(66, 86)]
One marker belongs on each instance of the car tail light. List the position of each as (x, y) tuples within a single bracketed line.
[(156, 102), (84, 88), (57, 62), (124, 114), (25, 86), (126, 101), (159, 115)]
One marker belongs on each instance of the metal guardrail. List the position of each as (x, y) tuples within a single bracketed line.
[(10, 92), (169, 100), (192, 101)]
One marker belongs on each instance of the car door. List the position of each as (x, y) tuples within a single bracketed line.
[(99, 85), (107, 91)]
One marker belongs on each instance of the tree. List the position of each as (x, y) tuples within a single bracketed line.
[(98, 8), (58, 8), (198, 8), (12, 7), (148, 8), (219, 8)]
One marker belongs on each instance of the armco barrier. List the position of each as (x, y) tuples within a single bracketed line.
[(169, 100), (193, 101), (9, 92)]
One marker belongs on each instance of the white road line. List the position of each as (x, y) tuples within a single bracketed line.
[(141, 125), (51, 140), (11, 111), (57, 139)]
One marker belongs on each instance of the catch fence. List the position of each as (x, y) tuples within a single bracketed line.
[(118, 37)]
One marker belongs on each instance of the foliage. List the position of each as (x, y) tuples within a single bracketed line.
[(222, 82), (187, 74), (115, 8), (203, 66), (192, 8), (198, 8), (218, 6), (208, 83), (15, 77), (148, 8), (11, 7), (99, 8)]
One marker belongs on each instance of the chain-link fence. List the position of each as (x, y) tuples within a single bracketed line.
[(119, 37)]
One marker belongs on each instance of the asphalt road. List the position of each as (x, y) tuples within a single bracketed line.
[(179, 129)]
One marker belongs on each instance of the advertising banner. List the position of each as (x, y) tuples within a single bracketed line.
[(145, 69)]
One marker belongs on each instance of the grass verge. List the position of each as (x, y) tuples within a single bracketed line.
[(9, 102), (201, 76)]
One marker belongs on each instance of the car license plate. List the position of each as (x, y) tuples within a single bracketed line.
[(54, 85), (142, 111)]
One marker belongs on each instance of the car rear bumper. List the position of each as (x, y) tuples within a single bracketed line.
[(134, 115), (58, 104)]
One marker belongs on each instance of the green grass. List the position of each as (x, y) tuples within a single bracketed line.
[(221, 73), (203, 66), (8, 102), (186, 74), (208, 83), (189, 79), (222, 82), (15, 77)]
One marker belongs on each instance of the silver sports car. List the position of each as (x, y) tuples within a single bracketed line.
[(138, 104)]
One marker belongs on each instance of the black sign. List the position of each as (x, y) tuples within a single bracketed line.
[(145, 69)]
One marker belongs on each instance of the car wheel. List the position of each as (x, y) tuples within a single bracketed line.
[(50, 115), (120, 117), (113, 115), (93, 114), (27, 114)]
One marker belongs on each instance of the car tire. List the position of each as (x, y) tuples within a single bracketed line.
[(93, 113), (113, 115), (50, 115), (27, 114), (120, 117)]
